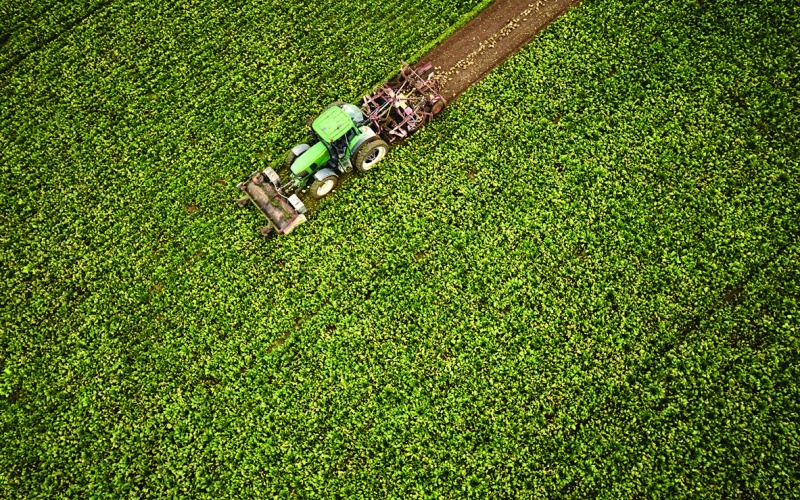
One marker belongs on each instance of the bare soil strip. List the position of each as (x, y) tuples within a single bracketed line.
[(489, 39)]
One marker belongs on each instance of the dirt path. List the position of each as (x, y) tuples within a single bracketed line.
[(489, 39)]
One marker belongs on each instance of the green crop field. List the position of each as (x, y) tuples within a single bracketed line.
[(582, 280)]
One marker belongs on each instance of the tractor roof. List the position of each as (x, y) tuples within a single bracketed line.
[(332, 124)]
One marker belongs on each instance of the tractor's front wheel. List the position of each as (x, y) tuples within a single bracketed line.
[(287, 162), (323, 187), (292, 155), (370, 154)]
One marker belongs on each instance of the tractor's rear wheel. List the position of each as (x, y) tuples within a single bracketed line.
[(323, 187), (370, 154)]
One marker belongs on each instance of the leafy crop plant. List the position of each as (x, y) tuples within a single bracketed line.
[(581, 281)]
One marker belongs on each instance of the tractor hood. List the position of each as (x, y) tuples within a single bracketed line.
[(315, 155)]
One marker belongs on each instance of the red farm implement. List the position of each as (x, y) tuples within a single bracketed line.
[(344, 137), (399, 107)]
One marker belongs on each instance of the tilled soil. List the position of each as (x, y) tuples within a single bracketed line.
[(490, 38)]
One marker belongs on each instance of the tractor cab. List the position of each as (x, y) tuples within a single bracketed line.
[(342, 140), (336, 129)]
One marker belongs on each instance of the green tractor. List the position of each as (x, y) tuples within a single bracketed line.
[(343, 140), (344, 137)]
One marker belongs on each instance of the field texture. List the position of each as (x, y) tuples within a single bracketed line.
[(582, 280)]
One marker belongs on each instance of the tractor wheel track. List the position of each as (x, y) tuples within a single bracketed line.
[(489, 39)]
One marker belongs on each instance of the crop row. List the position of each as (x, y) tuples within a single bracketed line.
[(581, 281), (115, 141)]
